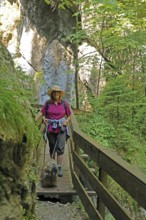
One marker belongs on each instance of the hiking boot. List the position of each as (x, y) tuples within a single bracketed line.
[(60, 173)]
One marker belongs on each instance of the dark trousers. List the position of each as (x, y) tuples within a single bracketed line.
[(57, 142)]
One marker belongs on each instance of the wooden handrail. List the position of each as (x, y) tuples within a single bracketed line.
[(131, 179), (41, 125)]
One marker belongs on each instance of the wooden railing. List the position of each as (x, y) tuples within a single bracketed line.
[(108, 164), (39, 122)]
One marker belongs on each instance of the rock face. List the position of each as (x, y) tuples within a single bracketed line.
[(36, 35), (17, 187), (17, 196), (57, 68)]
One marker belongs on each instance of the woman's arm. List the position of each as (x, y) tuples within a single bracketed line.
[(42, 113), (66, 121)]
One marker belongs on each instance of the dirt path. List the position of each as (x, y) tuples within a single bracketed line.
[(46, 210)]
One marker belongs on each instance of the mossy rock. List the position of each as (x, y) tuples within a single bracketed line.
[(18, 139)]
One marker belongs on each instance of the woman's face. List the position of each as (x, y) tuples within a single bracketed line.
[(56, 95)]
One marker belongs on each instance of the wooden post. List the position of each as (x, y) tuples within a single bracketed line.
[(100, 204)]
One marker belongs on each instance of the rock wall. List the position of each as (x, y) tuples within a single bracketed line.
[(17, 188), (36, 37)]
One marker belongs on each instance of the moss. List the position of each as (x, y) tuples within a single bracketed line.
[(15, 110), (18, 138)]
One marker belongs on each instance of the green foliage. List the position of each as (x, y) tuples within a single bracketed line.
[(121, 196), (33, 173), (116, 100), (76, 37), (96, 127), (78, 204), (118, 120), (15, 110), (62, 4), (118, 123), (117, 31)]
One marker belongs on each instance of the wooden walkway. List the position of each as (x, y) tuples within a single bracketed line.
[(64, 186)]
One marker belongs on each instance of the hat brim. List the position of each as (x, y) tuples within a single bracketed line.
[(52, 90)]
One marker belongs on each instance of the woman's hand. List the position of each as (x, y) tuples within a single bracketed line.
[(45, 120), (66, 122)]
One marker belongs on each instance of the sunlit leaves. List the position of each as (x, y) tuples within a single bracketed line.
[(61, 4), (110, 2)]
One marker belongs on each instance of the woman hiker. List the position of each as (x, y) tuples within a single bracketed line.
[(56, 115)]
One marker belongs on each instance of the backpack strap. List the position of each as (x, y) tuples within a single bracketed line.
[(47, 106), (64, 104)]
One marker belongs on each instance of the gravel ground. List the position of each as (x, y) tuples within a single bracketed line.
[(47, 210)]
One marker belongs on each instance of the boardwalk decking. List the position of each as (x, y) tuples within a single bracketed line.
[(64, 184)]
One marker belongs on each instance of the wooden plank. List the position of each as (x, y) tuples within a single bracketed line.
[(42, 128), (38, 116), (100, 205), (64, 184), (100, 189), (124, 176), (86, 200), (133, 180), (92, 170), (71, 149), (40, 148)]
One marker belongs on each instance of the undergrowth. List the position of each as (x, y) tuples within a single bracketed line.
[(122, 139)]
